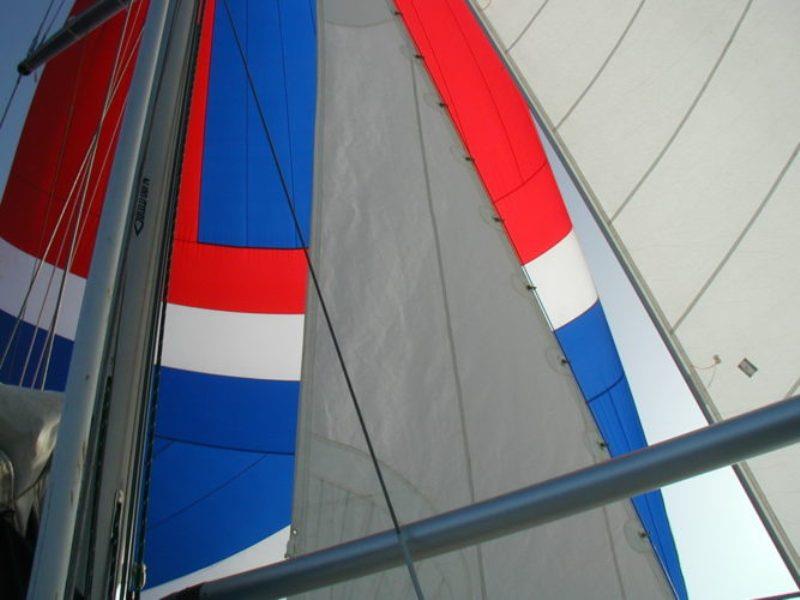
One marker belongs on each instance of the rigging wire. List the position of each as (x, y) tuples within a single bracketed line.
[(52, 22), (10, 100), (41, 262), (37, 37), (35, 332), (80, 186), (323, 305), (115, 78)]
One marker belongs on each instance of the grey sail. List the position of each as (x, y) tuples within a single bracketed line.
[(457, 371)]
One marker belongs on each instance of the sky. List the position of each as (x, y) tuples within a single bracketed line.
[(18, 24), (725, 552)]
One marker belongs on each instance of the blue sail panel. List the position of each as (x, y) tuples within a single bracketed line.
[(227, 399), (242, 202), (590, 348)]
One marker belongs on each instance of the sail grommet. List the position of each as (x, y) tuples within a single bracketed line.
[(408, 50), (432, 99), (556, 360), (596, 445), (488, 215), (637, 538), (459, 152)]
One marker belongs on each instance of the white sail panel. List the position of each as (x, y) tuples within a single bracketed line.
[(682, 123), (18, 291), (210, 341), (562, 281)]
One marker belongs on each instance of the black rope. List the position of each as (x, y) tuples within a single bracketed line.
[(37, 37), (10, 100), (351, 390), (52, 22)]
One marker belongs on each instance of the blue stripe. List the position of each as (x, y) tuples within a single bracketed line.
[(242, 200), (207, 504), (228, 412), (590, 349), (222, 469), (15, 360)]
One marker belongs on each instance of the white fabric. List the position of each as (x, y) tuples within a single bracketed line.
[(265, 552), (562, 281), (683, 122), (257, 346), (16, 269), (457, 372)]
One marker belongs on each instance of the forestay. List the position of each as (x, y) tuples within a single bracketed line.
[(682, 124)]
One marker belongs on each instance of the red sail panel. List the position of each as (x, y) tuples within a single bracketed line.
[(51, 155), (482, 100)]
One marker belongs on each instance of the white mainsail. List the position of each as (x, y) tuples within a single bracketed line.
[(681, 123)]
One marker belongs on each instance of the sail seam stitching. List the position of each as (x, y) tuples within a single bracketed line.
[(686, 116), (179, 440), (401, 538), (208, 494), (725, 259), (527, 26), (451, 106), (793, 389), (446, 307), (602, 66), (286, 97)]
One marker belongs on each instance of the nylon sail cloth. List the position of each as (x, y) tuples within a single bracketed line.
[(682, 124), (223, 467), (456, 365), (53, 197)]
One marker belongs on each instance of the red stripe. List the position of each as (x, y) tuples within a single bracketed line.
[(187, 220), (257, 280), (62, 119), (493, 120), (534, 216)]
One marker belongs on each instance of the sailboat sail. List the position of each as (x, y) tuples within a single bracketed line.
[(223, 467), (462, 380), (53, 198), (682, 124), (470, 324)]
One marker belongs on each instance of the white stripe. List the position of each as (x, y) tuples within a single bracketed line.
[(16, 268), (265, 552), (258, 346), (562, 281)]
